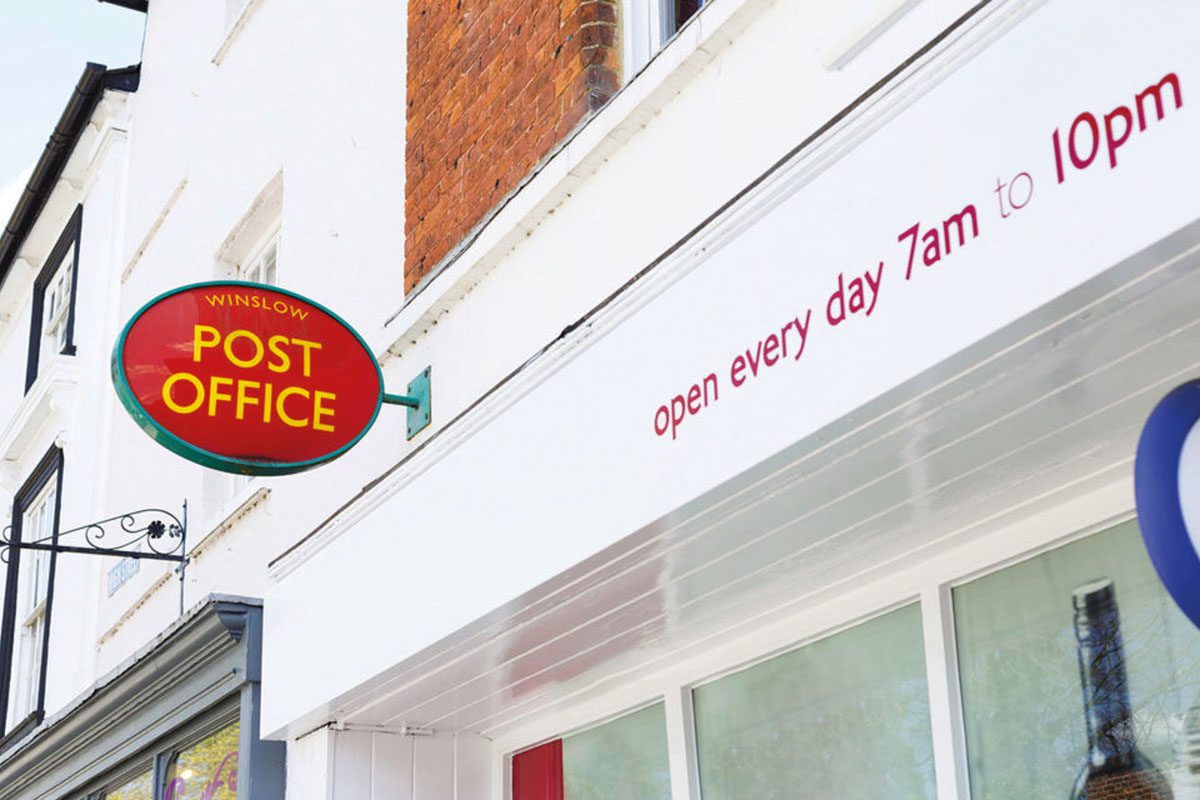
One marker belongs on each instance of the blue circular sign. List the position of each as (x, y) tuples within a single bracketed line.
[(1166, 479)]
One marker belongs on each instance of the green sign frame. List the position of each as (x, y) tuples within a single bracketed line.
[(207, 458)]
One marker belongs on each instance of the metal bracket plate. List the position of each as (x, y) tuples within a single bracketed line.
[(420, 414)]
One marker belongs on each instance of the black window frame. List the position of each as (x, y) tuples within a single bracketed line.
[(68, 240), (49, 468)]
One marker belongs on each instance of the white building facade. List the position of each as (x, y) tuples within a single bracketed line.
[(783, 416)]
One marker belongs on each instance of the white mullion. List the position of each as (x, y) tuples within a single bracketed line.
[(681, 743), (945, 698), (657, 25)]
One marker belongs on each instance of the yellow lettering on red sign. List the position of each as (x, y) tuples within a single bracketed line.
[(293, 405)]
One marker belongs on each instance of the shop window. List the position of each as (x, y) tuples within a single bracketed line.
[(29, 595), (623, 758), (1078, 673), (52, 321), (207, 770), (844, 717), (650, 24), (138, 788)]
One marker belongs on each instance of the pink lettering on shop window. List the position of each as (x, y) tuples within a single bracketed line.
[(225, 777)]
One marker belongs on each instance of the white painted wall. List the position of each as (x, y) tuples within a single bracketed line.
[(70, 404), (316, 98)]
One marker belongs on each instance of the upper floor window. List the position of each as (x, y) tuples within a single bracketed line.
[(650, 24), (29, 595), (57, 305), (32, 594), (52, 323), (251, 251)]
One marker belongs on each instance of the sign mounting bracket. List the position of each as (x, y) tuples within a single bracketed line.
[(148, 534), (418, 402)]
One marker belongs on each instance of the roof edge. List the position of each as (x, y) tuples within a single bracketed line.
[(133, 5), (75, 116)]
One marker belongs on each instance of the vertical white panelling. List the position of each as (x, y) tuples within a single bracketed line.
[(681, 744), (309, 762), (501, 772), (433, 768), (392, 767), (352, 764), (472, 767), (945, 705)]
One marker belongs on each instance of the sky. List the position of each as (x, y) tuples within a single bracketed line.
[(44, 45)]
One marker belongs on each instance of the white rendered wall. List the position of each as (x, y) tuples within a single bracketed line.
[(70, 404), (315, 94)]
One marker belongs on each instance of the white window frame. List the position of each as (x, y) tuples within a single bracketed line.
[(648, 26), (32, 596), (57, 303), (262, 263), (52, 321)]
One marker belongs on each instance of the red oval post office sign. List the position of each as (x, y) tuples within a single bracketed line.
[(247, 378)]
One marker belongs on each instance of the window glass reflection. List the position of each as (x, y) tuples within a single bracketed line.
[(139, 788), (207, 770), (844, 717), (1077, 676), (625, 758)]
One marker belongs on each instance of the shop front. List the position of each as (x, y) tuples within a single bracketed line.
[(178, 721), (835, 499)]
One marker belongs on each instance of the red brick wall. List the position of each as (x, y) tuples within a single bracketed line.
[(493, 85)]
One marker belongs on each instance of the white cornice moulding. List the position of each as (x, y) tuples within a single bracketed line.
[(48, 400)]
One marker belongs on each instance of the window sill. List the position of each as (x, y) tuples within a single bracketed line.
[(46, 401), (21, 730)]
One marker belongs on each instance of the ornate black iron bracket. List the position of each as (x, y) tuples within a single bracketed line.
[(152, 534)]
